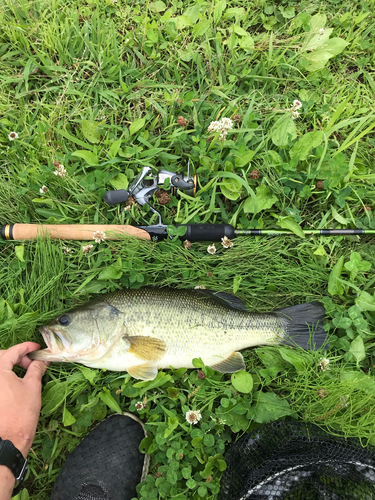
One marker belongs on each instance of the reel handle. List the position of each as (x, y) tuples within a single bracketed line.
[(115, 197)]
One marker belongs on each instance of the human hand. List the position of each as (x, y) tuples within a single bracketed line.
[(20, 398)]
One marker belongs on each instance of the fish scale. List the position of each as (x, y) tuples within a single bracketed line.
[(142, 330)]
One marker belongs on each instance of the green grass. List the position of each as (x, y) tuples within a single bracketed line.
[(98, 86)]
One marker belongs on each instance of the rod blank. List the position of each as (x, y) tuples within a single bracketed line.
[(323, 232)]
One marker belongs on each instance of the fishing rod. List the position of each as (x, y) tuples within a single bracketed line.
[(194, 232), (141, 190)]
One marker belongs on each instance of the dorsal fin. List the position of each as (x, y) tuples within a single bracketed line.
[(223, 298)]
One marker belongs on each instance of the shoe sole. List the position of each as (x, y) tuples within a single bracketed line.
[(146, 463)]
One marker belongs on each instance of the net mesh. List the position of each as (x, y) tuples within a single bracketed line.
[(296, 461)]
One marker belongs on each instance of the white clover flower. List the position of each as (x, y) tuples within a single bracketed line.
[(193, 417), (296, 104), (43, 190), (99, 236), (221, 126), (211, 249), (127, 208), (226, 123), (226, 242), (67, 250), (295, 115), (60, 171), (323, 365), (214, 127), (343, 401), (200, 287), (12, 136), (87, 248), (139, 405)]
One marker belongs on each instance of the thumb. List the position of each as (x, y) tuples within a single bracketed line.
[(16, 355), (35, 371)]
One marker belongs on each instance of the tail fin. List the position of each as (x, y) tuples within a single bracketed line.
[(304, 325)]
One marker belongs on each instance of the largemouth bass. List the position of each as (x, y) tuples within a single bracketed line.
[(139, 331)]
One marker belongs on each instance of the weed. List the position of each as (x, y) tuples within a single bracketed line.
[(273, 106)]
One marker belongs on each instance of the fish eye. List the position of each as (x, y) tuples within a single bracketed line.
[(64, 320)]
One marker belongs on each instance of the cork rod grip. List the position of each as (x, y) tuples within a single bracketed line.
[(70, 231)]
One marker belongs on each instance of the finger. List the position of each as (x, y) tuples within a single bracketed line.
[(15, 354), (35, 371), (25, 362)]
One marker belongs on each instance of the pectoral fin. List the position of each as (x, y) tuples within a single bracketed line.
[(147, 348), (231, 364), (147, 371)]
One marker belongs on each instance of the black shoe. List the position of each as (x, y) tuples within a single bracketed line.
[(107, 464)]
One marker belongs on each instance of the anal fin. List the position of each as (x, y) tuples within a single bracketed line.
[(146, 371), (231, 364)]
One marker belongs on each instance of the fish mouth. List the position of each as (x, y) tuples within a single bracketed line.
[(55, 340), (57, 345)]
